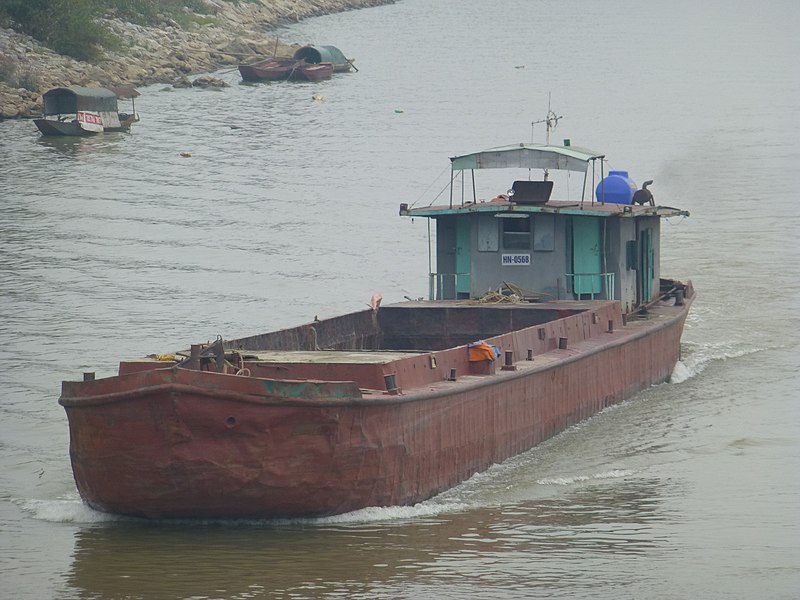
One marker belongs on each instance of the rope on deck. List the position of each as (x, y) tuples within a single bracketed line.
[(509, 293)]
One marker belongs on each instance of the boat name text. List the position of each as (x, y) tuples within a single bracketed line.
[(516, 260)]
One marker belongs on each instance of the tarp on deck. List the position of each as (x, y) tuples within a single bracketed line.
[(482, 351)]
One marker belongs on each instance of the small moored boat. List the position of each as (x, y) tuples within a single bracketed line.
[(331, 54), (313, 72), (83, 111), (282, 69), (270, 69)]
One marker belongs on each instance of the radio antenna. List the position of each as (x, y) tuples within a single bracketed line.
[(551, 122)]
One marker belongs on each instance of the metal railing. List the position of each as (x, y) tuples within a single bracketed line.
[(594, 284), (444, 286)]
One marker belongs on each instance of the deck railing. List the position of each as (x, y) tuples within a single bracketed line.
[(594, 284), (444, 286)]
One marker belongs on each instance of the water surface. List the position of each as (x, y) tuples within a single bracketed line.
[(118, 246)]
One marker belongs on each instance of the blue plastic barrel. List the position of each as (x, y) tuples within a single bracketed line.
[(616, 188)]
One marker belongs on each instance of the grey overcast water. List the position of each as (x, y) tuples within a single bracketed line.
[(117, 246)]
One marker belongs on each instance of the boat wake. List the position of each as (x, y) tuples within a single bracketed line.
[(74, 510), (696, 357), (428, 508), (563, 481), (66, 510), (468, 495)]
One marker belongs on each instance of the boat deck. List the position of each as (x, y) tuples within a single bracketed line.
[(337, 357), (421, 343), (573, 207)]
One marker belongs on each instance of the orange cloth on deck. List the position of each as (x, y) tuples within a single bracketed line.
[(481, 351)]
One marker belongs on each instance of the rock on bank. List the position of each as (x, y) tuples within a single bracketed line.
[(162, 53)]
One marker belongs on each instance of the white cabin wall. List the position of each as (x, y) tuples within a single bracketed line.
[(620, 232), (654, 224)]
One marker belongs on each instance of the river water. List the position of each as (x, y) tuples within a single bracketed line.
[(118, 246)]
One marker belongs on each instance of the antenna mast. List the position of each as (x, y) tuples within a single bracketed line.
[(551, 122)]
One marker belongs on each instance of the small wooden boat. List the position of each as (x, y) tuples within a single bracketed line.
[(281, 69), (313, 72), (82, 111), (271, 69)]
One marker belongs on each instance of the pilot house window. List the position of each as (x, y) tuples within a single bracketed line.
[(517, 234)]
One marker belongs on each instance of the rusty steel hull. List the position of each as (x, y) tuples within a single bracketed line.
[(177, 443)]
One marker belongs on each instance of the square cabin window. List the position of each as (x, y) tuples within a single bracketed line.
[(517, 234)]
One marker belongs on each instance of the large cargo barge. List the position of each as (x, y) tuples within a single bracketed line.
[(393, 404)]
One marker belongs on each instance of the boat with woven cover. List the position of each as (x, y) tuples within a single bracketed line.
[(83, 111)]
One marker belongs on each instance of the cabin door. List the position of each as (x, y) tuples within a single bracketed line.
[(586, 256), (463, 262), (647, 262)]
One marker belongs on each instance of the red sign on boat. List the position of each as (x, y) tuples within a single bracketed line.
[(91, 121)]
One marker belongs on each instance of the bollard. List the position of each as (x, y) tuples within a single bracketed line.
[(508, 364), (88, 376), (611, 326), (530, 354), (562, 343), (391, 383), (452, 375), (678, 297), (194, 356)]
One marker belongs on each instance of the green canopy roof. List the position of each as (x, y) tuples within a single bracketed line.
[(318, 54), (527, 156), (69, 100)]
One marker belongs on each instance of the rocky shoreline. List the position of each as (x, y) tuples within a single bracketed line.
[(164, 53)]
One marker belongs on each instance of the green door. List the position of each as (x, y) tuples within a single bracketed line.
[(586, 256), (462, 257)]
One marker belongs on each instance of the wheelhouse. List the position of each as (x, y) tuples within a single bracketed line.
[(547, 249)]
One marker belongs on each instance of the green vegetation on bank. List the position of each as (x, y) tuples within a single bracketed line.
[(71, 27), (67, 26)]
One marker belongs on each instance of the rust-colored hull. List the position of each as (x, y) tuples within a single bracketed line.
[(315, 72), (271, 69), (173, 442), (277, 69)]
